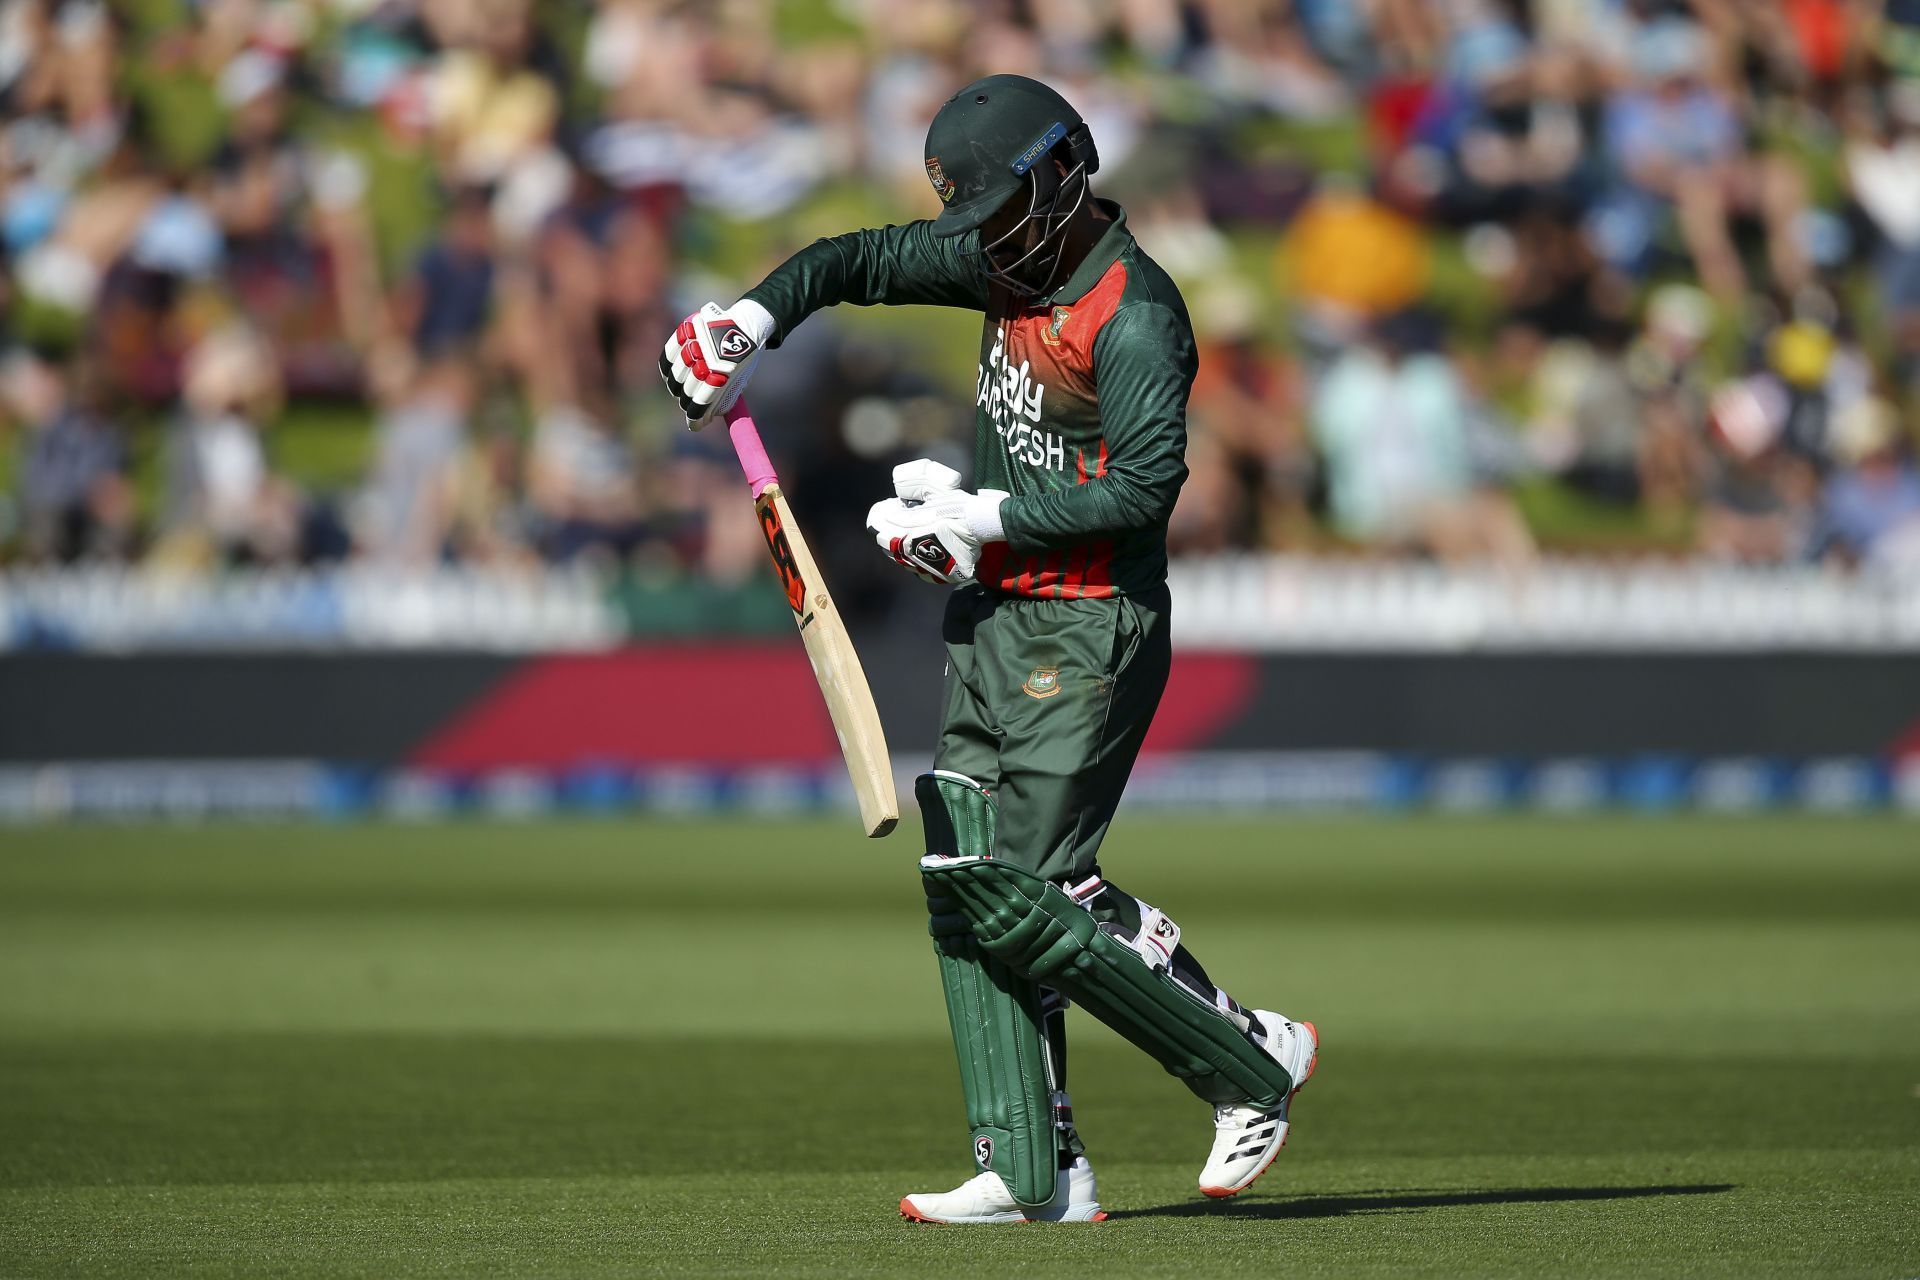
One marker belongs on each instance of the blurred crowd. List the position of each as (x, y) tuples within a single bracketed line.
[(299, 281)]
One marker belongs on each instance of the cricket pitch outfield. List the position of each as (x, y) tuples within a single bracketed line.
[(1606, 1046)]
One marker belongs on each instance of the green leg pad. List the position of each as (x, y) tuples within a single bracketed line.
[(1037, 930), (998, 1030)]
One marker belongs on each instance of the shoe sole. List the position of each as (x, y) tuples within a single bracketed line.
[(1313, 1061), (912, 1214)]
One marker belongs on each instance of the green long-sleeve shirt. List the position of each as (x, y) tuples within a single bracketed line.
[(1081, 397)]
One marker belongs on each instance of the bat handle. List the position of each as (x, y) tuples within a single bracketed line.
[(746, 443)]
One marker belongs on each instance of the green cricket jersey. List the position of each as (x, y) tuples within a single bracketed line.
[(1081, 397)]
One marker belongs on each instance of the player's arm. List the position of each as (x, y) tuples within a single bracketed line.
[(1143, 362), (707, 361), (883, 266)]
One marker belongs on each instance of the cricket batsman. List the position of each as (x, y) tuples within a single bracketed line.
[(1057, 639)]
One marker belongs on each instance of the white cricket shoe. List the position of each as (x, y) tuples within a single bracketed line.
[(1246, 1139), (984, 1198)]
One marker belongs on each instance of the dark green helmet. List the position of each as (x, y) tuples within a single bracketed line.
[(992, 141)]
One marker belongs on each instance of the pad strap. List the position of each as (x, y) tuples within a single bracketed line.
[(1042, 934)]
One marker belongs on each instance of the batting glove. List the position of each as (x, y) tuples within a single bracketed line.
[(923, 478), (934, 527), (711, 355)]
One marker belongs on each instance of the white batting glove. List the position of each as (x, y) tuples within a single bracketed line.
[(933, 527), (711, 355), (920, 479)]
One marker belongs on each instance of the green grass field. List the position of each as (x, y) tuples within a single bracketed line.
[(1566, 1047)]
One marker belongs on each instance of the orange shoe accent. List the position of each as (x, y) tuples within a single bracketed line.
[(1222, 1193), (912, 1214)]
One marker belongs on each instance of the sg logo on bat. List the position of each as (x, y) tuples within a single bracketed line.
[(783, 560)]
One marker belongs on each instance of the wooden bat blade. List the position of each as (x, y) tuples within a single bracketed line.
[(842, 680)]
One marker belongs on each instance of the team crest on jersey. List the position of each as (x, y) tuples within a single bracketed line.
[(942, 185), (1043, 683), (1051, 334)]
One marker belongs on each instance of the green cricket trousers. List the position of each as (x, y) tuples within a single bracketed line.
[(1047, 703)]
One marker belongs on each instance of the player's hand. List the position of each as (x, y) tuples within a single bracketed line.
[(934, 527), (711, 355), (922, 478)]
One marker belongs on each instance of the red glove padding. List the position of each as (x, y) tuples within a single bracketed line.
[(712, 353)]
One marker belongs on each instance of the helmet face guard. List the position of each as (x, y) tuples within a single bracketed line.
[(1010, 159), (1052, 201)]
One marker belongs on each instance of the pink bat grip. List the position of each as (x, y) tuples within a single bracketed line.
[(746, 443)]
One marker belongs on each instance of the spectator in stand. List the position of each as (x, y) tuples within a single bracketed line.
[(446, 304), (224, 504), (604, 264), (1351, 258), (1760, 494), (493, 94), (1883, 171), (1248, 405), (1679, 144), (259, 169), (1391, 428), (1263, 55), (1871, 511), (78, 187), (1503, 116), (283, 209), (1666, 364), (582, 484), (1586, 420), (490, 522), (405, 513), (1393, 423), (76, 498)]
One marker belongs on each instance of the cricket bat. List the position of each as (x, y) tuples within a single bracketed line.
[(836, 666)]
